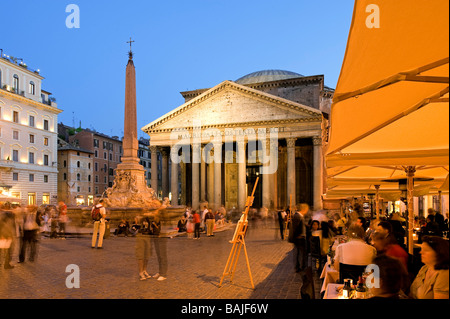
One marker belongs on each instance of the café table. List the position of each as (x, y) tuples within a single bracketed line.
[(329, 275), (331, 291)]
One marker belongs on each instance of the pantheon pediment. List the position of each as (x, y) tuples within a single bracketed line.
[(232, 105)]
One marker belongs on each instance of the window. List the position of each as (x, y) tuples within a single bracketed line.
[(45, 160), (31, 198), (65, 163), (45, 178), (15, 155), (96, 153), (15, 117), (96, 143), (78, 177), (78, 164), (104, 155), (15, 135), (110, 157), (65, 176), (96, 178), (46, 125), (46, 141), (31, 178), (15, 177), (46, 199), (31, 138), (96, 166), (32, 88), (16, 83), (31, 158), (31, 120), (89, 178)]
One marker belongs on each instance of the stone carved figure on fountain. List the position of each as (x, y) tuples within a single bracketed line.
[(125, 193)]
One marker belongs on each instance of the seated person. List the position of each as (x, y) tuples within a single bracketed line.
[(392, 278), (355, 251), (432, 280), (387, 245), (182, 224), (123, 228)]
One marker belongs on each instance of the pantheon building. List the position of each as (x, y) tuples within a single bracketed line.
[(268, 126)]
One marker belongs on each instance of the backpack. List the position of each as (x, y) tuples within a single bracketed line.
[(96, 213)]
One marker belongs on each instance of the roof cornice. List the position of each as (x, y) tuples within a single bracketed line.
[(14, 96)]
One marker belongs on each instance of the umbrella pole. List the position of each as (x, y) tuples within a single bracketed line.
[(377, 201), (410, 170)]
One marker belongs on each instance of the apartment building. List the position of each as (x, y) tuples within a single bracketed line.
[(28, 136), (75, 176)]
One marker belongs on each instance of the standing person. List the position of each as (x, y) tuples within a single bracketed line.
[(160, 244), (31, 226), (62, 208), (297, 236), (433, 278), (8, 235), (197, 221), (143, 248), (98, 214), (203, 218), (281, 222), (210, 221)]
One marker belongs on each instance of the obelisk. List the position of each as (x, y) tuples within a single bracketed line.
[(130, 145), (130, 187)]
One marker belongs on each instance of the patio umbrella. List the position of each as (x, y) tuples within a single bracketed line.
[(390, 108)]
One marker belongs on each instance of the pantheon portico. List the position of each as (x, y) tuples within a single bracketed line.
[(268, 124)]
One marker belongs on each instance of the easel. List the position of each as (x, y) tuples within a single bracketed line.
[(239, 242), (288, 218)]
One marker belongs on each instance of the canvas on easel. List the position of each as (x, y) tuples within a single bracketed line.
[(238, 242)]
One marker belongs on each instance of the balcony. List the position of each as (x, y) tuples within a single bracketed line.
[(6, 165)]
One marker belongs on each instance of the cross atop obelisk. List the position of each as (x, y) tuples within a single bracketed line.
[(130, 54)]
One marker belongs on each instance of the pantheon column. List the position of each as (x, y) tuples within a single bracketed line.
[(266, 178), (196, 158), (209, 156), (202, 178), (154, 169), (317, 173), (242, 175), (165, 172), (291, 170), (217, 175), (174, 183)]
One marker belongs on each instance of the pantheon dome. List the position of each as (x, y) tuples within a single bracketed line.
[(267, 76)]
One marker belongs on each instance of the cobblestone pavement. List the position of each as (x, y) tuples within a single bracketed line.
[(195, 269)]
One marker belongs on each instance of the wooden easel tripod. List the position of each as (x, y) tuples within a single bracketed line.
[(238, 242)]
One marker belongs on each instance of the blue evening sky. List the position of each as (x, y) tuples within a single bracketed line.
[(180, 45)]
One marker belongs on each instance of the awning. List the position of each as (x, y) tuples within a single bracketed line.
[(391, 104)]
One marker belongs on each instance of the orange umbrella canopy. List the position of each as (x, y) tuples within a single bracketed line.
[(391, 102)]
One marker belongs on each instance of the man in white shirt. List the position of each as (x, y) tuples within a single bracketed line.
[(355, 251), (99, 225)]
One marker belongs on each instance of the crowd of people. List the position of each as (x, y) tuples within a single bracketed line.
[(24, 225), (194, 222), (380, 242)]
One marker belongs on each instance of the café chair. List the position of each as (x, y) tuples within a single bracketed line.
[(353, 272), (315, 252)]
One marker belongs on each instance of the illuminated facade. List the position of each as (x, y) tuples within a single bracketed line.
[(223, 133), (28, 136)]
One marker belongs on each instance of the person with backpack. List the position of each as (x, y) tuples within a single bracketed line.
[(98, 214), (209, 221)]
